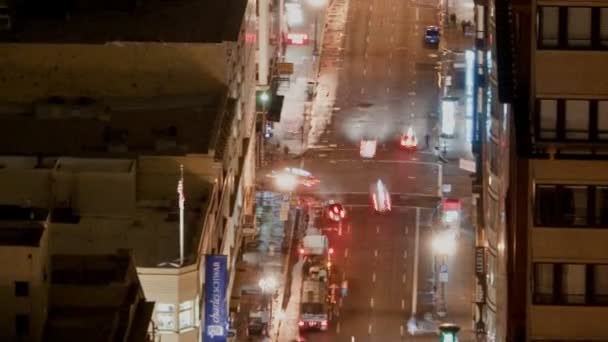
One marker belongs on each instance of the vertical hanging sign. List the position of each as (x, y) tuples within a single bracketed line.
[(215, 320)]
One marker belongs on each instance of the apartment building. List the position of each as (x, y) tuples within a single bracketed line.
[(493, 147), (543, 266), (138, 79), (95, 206)]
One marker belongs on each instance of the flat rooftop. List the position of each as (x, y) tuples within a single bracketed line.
[(100, 21), (152, 234), (114, 127)]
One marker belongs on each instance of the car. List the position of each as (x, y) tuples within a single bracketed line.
[(367, 147), (409, 141), (431, 36), (335, 212), (380, 197)]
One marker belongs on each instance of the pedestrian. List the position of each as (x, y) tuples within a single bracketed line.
[(427, 141)]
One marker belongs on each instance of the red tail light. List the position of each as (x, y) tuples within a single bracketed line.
[(331, 251), (301, 323), (301, 250)]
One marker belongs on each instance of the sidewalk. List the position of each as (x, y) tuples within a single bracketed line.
[(263, 257)]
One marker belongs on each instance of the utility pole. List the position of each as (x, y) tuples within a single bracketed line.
[(412, 321)]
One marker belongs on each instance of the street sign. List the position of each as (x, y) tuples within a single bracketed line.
[(285, 68), (443, 273), (446, 188), (480, 261), (467, 165)]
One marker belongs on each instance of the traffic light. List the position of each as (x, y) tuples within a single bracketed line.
[(448, 332)]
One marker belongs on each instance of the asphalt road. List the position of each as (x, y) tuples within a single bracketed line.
[(387, 82)]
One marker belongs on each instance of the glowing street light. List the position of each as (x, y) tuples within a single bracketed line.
[(268, 284), (286, 181), (444, 244), (264, 97)]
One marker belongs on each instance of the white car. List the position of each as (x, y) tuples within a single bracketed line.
[(367, 148), (381, 197)]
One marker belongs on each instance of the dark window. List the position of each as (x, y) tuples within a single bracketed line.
[(601, 206), (576, 28), (570, 284), (571, 120), (564, 206), (22, 325), (22, 289)]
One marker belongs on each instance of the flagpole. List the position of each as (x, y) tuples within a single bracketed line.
[(180, 191)]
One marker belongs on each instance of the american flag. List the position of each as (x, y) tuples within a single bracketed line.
[(180, 188)]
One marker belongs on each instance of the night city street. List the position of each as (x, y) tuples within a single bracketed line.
[(303, 170)]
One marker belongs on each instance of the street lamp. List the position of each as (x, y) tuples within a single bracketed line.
[(444, 243), (268, 285), (286, 181), (317, 5)]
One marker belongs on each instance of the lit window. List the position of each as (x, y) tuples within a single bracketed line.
[(579, 26), (186, 315), (550, 26), (165, 317), (548, 119), (577, 120)]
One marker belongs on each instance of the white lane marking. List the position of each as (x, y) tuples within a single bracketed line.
[(371, 302), (375, 252), (365, 55), (352, 339), (403, 278), (338, 328), (412, 93), (371, 7), (362, 90), (364, 71), (388, 90), (411, 177), (405, 230), (401, 331), (377, 229), (369, 329), (367, 39), (403, 304), (405, 254), (346, 253), (417, 13), (374, 277), (389, 71)]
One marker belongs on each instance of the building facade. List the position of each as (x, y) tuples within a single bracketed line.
[(542, 265), (140, 79)]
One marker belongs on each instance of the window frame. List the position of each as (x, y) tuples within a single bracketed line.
[(561, 131), (555, 221), (557, 297), (562, 29)]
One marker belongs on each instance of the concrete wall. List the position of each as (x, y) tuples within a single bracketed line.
[(556, 75), (26, 264), (21, 186), (34, 71)]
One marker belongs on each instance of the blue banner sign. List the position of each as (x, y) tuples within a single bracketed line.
[(215, 320)]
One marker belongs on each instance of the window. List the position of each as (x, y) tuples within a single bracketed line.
[(570, 284), (22, 325), (548, 119), (601, 207), (22, 289), (573, 203), (573, 283), (577, 119), (186, 315), (165, 317), (604, 27), (579, 26), (546, 210), (572, 27), (550, 26), (602, 120), (543, 283)]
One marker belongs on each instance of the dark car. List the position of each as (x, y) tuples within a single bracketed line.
[(431, 36)]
